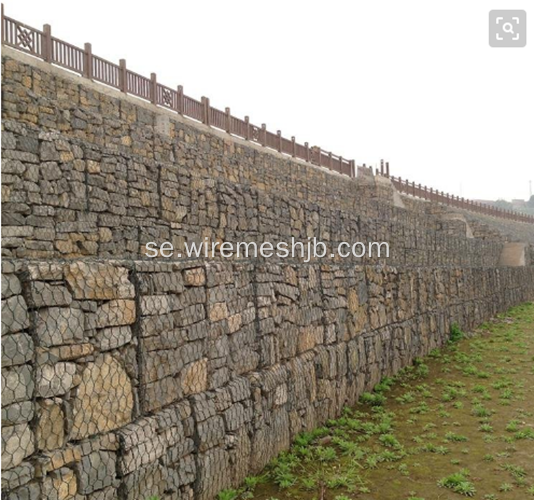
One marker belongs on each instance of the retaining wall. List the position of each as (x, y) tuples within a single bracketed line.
[(127, 380)]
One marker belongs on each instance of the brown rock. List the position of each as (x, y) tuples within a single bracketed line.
[(195, 277), (218, 311), (50, 432), (98, 281), (115, 313), (104, 399), (194, 377), (60, 485)]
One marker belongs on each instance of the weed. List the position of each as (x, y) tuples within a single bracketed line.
[(459, 483), (456, 333)]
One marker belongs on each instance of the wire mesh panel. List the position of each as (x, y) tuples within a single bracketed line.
[(22, 37), (67, 55)]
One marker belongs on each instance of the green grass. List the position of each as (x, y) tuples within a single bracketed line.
[(457, 423)]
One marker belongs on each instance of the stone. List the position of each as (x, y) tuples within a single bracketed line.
[(10, 286), (17, 384), (194, 377), (55, 379), (98, 281), (14, 315), (44, 294), (50, 433), (103, 400), (17, 349), (309, 337), (17, 413), (18, 442), (218, 311), (60, 485), (66, 352), (59, 325), (56, 459), (195, 277), (96, 471), (116, 313), (151, 305), (17, 476), (114, 337), (30, 491), (48, 151), (44, 271)]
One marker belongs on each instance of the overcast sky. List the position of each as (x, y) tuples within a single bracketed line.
[(413, 82)]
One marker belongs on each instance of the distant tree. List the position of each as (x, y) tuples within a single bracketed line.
[(503, 204)]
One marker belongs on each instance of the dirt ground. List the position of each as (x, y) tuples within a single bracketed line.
[(460, 422)]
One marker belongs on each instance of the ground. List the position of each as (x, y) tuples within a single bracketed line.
[(459, 422)]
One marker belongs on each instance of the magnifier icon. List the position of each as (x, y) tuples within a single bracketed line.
[(508, 28)]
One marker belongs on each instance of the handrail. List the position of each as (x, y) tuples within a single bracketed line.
[(41, 44)]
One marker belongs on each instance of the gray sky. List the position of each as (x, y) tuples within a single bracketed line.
[(413, 82)]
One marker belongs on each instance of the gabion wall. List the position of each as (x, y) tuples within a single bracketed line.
[(89, 174), (131, 379), (127, 378)]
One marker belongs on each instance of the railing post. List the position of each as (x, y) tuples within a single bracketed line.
[(47, 43), (180, 99), (293, 147), (88, 61), (330, 160), (123, 81), (263, 135), (382, 167), (307, 147), (387, 169), (279, 134), (227, 120), (315, 157), (205, 111), (247, 128), (2, 23), (352, 168), (153, 88)]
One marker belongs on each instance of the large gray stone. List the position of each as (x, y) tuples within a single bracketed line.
[(17, 349), (18, 442), (104, 399), (98, 281), (47, 295), (10, 285), (96, 471), (17, 384), (14, 315), (59, 325), (55, 380)]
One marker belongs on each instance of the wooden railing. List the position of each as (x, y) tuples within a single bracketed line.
[(436, 196), (41, 44)]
